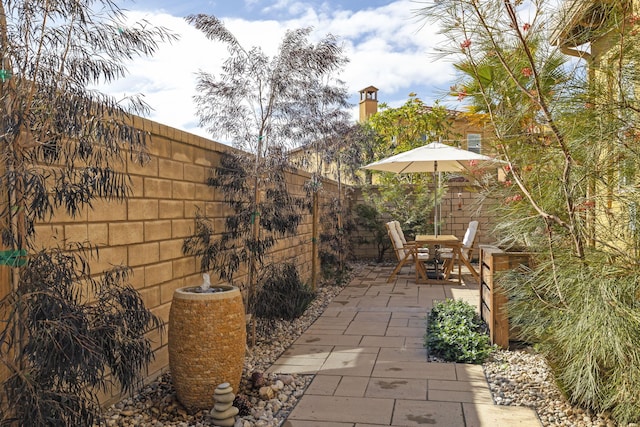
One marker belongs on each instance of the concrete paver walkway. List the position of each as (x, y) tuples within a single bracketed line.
[(366, 352)]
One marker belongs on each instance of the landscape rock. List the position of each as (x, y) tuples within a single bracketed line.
[(523, 378), (267, 393)]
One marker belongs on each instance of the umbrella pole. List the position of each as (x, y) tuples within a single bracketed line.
[(436, 180), (436, 256)]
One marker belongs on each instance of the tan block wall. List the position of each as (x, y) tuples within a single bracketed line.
[(461, 204), (146, 232)]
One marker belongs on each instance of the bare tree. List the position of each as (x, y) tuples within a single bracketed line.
[(265, 105), (62, 146)]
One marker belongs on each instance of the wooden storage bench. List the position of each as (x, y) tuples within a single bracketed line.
[(493, 308)]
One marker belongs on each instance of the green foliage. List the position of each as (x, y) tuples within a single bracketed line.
[(263, 102), (281, 294), (264, 105), (456, 333), (410, 203), (278, 215), (369, 220), (334, 272), (359, 147), (409, 126), (81, 331), (588, 330), (63, 145), (406, 197), (569, 130)]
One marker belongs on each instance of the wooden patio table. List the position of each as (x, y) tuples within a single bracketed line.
[(449, 241)]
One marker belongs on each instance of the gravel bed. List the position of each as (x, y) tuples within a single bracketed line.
[(523, 378), (271, 397)]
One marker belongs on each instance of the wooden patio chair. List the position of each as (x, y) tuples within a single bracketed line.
[(468, 242), (404, 240), (406, 253)]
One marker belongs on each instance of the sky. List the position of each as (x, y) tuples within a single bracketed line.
[(387, 44)]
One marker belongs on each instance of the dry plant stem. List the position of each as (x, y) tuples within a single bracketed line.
[(16, 213), (4, 41), (540, 101), (340, 218), (537, 99), (14, 193), (265, 112), (553, 265), (255, 228), (314, 242)]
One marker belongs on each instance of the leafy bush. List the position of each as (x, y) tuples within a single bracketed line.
[(456, 333), (336, 247), (332, 273), (370, 222), (570, 193), (281, 294), (67, 334)]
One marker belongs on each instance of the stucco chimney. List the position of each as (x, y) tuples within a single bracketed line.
[(368, 102)]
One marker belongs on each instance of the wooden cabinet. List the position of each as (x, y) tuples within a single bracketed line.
[(493, 308)]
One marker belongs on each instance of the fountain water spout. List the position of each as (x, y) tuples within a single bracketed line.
[(206, 284)]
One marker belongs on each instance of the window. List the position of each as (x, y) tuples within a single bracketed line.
[(474, 142)]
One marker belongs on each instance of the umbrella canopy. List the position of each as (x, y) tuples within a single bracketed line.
[(433, 157)]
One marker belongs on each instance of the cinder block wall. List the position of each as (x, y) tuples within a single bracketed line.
[(463, 203), (147, 231)]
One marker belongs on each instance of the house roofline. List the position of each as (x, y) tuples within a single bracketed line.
[(577, 25)]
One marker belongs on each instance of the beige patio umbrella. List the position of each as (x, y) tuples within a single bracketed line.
[(434, 157)]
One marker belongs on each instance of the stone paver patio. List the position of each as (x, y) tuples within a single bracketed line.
[(366, 352)]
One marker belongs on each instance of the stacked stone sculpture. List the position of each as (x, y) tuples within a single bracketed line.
[(224, 412)]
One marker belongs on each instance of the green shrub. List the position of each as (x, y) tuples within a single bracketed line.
[(333, 274), (336, 237), (371, 224), (456, 333), (586, 322), (281, 294)]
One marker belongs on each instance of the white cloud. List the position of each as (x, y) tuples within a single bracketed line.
[(386, 46)]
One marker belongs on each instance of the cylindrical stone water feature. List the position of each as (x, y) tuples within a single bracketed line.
[(207, 341)]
